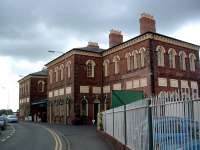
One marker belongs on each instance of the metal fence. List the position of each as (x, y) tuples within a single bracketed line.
[(167, 122)]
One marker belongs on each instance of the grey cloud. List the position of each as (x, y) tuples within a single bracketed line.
[(28, 29)]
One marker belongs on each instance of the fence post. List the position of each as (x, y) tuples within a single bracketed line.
[(150, 125), (113, 122), (125, 134)]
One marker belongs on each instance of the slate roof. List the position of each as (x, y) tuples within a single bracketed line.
[(43, 72), (91, 49)]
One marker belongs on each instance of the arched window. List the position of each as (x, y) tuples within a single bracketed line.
[(68, 69), (50, 76), (61, 71), (182, 57), (56, 73), (135, 61), (172, 60), (161, 55), (116, 60), (192, 59), (41, 85), (90, 64), (106, 67), (128, 61), (84, 107), (142, 56)]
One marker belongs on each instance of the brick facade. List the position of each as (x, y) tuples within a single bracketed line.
[(33, 96), (93, 94)]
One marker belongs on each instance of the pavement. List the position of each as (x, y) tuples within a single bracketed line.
[(33, 136)]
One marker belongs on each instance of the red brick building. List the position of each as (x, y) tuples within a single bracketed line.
[(33, 96), (82, 79)]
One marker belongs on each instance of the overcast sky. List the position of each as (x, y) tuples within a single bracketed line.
[(29, 28)]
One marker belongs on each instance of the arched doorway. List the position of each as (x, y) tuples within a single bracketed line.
[(96, 109)]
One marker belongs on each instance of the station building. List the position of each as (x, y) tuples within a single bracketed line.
[(81, 80), (33, 96)]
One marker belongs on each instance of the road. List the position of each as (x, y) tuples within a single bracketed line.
[(29, 136), (82, 137)]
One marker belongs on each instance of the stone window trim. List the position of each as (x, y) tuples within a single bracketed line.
[(135, 61), (90, 64), (192, 59), (160, 55), (61, 72), (68, 69), (172, 58), (128, 60), (106, 63), (41, 85), (182, 58), (142, 56), (116, 60), (50, 76), (56, 73)]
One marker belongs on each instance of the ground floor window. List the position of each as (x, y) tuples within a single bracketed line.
[(84, 107)]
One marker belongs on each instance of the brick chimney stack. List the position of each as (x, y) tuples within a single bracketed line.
[(115, 38), (147, 23), (93, 45)]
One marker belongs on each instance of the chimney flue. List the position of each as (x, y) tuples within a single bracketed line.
[(115, 38), (147, 23)]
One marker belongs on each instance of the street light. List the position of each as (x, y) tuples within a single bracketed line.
[(65, 79)]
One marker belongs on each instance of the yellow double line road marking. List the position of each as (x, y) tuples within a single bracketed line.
[(58, 143)]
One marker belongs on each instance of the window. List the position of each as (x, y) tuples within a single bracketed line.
[(50, 76), (41, 86), (128, 61), (106, 67), (192, 59), (56, 73), (68, 69), (116, 60), (135, 62), (160, 55), (172, 60), (142, 56), (182, 57), (90, 64), (61, 72), (84, 106)]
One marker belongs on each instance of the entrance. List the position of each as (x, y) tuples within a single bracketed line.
[(96, 109)]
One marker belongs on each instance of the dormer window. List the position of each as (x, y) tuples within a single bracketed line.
[(90, 65)]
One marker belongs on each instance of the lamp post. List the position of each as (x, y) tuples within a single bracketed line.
[(65, 79)]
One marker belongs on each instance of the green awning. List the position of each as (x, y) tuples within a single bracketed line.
[(120, 98)]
